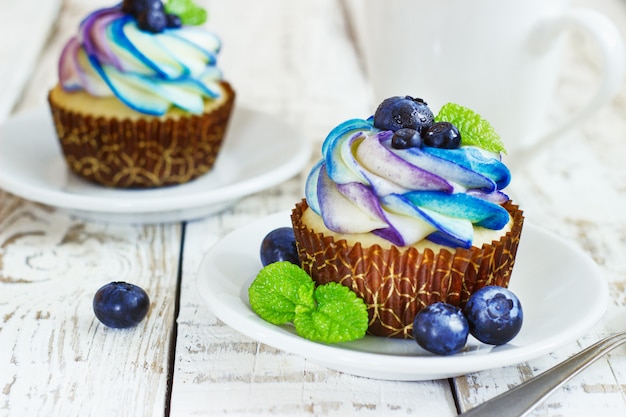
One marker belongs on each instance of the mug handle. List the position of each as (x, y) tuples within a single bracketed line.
[(609, 43)]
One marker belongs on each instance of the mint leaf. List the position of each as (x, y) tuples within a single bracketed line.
[(475, 130), (283, 292), (189, 13), (277, 289), (340, 315)]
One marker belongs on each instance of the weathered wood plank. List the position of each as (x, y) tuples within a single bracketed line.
[(56, 358)]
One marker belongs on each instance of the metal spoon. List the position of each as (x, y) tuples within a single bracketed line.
[(518, 401)]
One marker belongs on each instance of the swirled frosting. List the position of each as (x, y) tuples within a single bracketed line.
[(149, 72), (362, 184)]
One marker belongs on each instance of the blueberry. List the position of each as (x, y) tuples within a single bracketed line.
[(120, 305), (173, 21), (152, 20), (442, 135), (398, 112), (406, 138), (441, 328), (136, 7), (494, 314), (279, 245)]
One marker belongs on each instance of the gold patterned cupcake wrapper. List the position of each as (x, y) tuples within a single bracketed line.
[(396, 283), (145, 153)]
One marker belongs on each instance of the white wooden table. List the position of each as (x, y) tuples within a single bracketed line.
[(56, 359)]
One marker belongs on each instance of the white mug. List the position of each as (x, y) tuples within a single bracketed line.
[(501, 58)]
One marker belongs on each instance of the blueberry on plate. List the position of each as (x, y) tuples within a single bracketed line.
[(279, 245), (120, 305), (441, 328), (494, 314), (403, 112)]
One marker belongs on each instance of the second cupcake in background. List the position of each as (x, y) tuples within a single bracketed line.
[(140, 101), (407, 209)]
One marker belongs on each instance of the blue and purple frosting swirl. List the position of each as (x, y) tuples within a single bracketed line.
[(149, 72), (362, 184)]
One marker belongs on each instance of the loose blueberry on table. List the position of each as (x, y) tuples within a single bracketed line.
[(279, 245), (441, 328), (494, 314), (120, 305)]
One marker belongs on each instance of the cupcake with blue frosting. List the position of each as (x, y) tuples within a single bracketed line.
[(407, 208), (140, 101)]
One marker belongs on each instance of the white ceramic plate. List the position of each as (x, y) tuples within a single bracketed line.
[(259, 152), (561, 290)]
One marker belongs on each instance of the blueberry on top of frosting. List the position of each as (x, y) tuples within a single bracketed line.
[(150, 14), (153, 16)]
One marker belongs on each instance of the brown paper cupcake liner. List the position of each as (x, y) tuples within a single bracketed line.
[(145, 153), (396, 283)]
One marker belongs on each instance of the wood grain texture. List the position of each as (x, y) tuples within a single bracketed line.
[(56, 358)]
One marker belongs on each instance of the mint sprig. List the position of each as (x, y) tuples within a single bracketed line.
[(278, 289), (329, 313), (340, 315), (475, 130), (188, 12)]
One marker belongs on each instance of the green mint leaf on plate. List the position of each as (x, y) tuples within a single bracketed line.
[(278, 289), (340, 315), (331, 313), (189, 13), (475, 131)]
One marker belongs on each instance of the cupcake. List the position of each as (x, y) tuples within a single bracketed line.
[(140, 102), (407, 209)]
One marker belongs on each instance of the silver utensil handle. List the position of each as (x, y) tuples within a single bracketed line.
[(518, 401)]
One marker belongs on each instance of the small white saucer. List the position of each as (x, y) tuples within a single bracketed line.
[(562, 291), (259, 152)]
